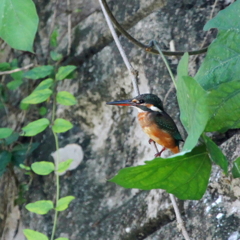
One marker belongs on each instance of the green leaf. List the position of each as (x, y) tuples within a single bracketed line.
[(40, 207), (222, 61), (56, 56), (12, 138), (43, 167), (62, 238), (186, 176), (63, 166), (223, 104), (5, 158), (236, 168), (61, 125), (216, 154), (63, 72), (42, 111), (64, 202), (45, 84), (35, 127), (38, 96), (39, 72), (22, 166), (18, 23), (53, 38), (21, 151), (192, 100), (5, 132), (5, 67), (13, 85), (17, 76), (66, 98), (34, 235)]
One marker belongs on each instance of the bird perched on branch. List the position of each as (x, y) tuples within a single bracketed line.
[(155, 122)]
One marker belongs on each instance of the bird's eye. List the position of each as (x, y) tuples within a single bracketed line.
[(141, 101)]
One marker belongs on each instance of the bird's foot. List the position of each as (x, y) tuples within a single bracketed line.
[(150, 141), (159, 153)]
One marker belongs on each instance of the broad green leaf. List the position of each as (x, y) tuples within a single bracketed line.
[(64, 202), (15, 84), (42, 111), (22, 151), (186, 176), (192, 100), (216, 154), (39, 72), (222, 61), (56, 56), (18, 23), (5, 132), (17, 76), (224, 107), (5, 158), (66, 98), (38, 96), (53, 38), (40, 207), (236, 168), (43, 167), (63, 166), (61, 125), (35, 127), (5, 67), (63, 72), (44, 84), (62, 238), (34, 235)]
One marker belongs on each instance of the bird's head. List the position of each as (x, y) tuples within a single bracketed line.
[(144, 103)]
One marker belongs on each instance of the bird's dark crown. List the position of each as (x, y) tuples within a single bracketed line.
[(148, 102)]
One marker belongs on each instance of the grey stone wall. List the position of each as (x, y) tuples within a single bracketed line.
[(111, 138)]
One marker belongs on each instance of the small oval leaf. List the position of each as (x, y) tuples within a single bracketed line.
[(35, 127), (38, 96), (5, 132), (63, 72), (63, 166), (61, 125), (43, 167), (34, 235), (64, 202), (39, 72), (40, 207), (44, 84), (66, 98)]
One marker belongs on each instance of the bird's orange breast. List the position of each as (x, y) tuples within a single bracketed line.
[(155, 133)]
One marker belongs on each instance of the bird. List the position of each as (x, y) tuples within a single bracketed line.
[(155, 122)]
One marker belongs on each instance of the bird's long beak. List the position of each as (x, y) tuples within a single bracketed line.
[(127, 102)]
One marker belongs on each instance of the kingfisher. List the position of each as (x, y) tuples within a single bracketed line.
[(155, 122)]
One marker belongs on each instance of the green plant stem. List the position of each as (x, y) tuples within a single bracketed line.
[(155, 44), (57, 185)]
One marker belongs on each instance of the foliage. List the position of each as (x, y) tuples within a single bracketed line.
[(208, 102)]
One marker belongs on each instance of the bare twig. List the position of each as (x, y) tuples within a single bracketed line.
[(143, 46), (134, 80), (69, 28), (131, 70), (17, 69)]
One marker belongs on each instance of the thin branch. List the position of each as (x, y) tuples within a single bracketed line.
[(180, 223), (69, 27), (143, 46), (17, 69), (132, 71)]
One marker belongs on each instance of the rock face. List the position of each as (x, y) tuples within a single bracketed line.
[(110, 136)]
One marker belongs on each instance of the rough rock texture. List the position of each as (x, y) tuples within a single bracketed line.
[(111, 137)]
